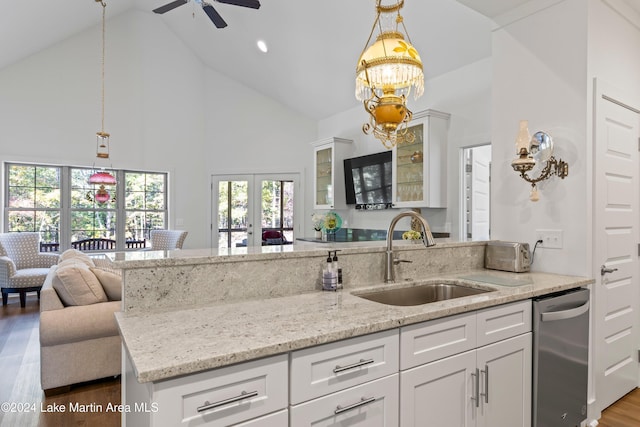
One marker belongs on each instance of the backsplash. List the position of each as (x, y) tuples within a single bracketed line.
[(194, 279)]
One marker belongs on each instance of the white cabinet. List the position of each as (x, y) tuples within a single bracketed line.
[(420, 167), (328, 368), (353, 382), (219, 397), (505, 383), (488, 386), (372, 404), (467, 370), (328, 172)]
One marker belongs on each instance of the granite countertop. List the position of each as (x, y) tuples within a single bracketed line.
[(150, 259), (167, 344)]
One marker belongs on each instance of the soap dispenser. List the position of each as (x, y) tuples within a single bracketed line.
[(329, 276)]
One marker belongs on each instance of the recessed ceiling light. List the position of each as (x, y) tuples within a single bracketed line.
[(262, 46)]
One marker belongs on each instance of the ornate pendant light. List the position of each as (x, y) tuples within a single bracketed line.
[(388, 69), (102, 178)]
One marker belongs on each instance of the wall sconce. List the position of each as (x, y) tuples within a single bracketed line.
[(536, 150)]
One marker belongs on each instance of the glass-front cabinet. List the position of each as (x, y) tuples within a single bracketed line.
[(420, 166), (328, 169)]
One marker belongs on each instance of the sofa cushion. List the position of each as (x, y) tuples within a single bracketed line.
[(74, 254), (111, 283), (79, 323), (75, 284)]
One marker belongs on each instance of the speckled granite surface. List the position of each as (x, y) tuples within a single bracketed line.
[(165, 344), (165, 280)]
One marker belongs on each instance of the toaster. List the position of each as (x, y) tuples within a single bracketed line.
[(507, 256)]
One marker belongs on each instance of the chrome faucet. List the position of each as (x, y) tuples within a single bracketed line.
[(427, 239)]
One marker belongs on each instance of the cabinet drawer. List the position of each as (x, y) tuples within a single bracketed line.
[(428, 341), (504, 321), (279, 419), (331, 367), (373, 404), (224, 396)]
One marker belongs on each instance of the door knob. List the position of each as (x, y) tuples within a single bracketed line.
[(604, 270)]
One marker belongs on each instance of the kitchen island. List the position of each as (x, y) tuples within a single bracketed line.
[(180, 341)]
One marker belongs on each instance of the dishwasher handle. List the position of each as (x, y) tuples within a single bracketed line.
[(565, 314)]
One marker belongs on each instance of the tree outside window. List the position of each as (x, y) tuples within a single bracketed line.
[(59, 202)]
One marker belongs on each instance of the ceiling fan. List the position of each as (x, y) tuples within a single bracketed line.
[(208, 9)]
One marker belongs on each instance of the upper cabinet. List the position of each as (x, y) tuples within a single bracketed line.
[(420, 167), (328, 172)]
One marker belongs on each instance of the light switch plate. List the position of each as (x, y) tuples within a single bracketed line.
[(551, 239)]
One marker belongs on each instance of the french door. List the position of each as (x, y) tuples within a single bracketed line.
[(245, 206)]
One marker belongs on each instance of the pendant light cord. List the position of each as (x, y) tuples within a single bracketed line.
[(104, 8)]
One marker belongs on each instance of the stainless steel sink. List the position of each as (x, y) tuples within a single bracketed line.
[(422, 294)]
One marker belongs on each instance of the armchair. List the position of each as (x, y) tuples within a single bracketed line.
[(23, 267), (167, 239)]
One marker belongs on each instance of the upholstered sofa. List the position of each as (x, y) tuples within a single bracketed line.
[(79, 338)]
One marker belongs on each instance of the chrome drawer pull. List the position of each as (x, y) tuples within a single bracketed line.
[(362, 362), (243, 395), (363, 401)]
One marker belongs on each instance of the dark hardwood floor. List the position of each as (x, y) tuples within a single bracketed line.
[(20, 379), (20, 383)]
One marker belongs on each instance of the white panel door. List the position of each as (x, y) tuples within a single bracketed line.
[(505, 383), (616, 218), (439, 394)]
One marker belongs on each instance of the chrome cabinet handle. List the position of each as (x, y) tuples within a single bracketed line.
[(243, 395), (476, 387), (604, 270), (363, 401), (550, 316), (486, 383), (362, 362)]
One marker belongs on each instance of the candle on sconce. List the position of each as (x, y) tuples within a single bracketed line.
[(523, 139)]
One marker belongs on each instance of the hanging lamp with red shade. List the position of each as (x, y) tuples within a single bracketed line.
[(102, 178)]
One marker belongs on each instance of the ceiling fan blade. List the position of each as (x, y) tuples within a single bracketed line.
[(214, 16), (253, 4), (170, 6)]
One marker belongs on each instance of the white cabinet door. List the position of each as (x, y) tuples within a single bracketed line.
[(505, 383), (426, 342), (372, 404), (328, 173), (224, 396), (439, 394), (331, 367), (420, 167)]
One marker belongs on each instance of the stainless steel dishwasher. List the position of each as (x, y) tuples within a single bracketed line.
[(560, 358)]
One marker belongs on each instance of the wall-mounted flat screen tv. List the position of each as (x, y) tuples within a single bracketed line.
[(367, 181)]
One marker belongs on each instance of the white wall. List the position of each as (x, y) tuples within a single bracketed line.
[(466, 95), (165, 111), (539, 74)]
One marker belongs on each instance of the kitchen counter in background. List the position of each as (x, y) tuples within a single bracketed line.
[(181, 341), (362, 235)]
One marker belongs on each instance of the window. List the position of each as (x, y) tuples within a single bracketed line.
[(145, 204), (59, 202), (89, 218), (33, 200)]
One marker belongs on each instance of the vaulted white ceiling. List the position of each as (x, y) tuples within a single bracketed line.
[(313, 45)]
